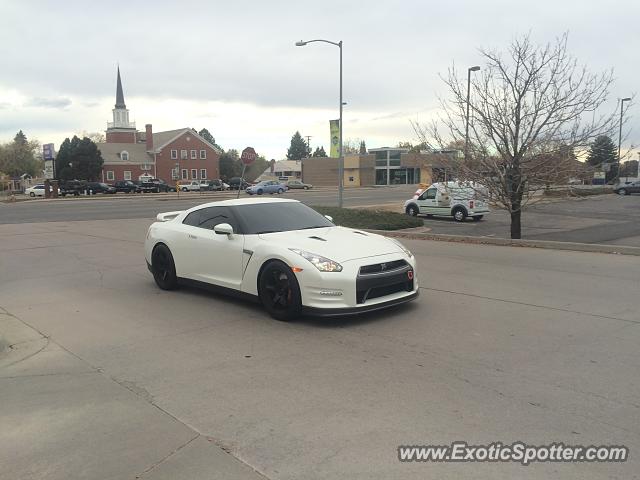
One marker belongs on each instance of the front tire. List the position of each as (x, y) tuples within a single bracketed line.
[(31, 194), (459, 215), (306, 188), (412, 211), (279, 291), (280, 191), (163, 267), (260, 192), (622, 192), (185, 189)]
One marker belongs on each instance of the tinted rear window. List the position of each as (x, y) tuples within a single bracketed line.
[(278, 217)]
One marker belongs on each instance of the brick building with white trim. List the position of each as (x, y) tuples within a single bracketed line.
[(172, 155)]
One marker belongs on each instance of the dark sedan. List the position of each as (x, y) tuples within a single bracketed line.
[(126, 186), (99, 187)]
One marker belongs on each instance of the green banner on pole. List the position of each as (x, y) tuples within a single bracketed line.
[(334, 130)]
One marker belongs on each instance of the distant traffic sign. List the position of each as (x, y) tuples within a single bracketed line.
[(248, 156)]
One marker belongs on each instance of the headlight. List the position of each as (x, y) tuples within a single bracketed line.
[(404, 249), (321, 263)]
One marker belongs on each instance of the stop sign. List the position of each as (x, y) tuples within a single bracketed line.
[(248, 156)]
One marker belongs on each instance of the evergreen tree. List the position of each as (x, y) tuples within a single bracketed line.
[(204, 133), (320, 152), (604, 154), (602, 151), (229, 164), (79, 160), (363, 148), (298, 149), (20, 138)]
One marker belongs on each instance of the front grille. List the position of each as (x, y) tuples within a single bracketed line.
[(378, 282), (382, 267)]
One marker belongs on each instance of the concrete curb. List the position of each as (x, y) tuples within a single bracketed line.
[(572, 246)]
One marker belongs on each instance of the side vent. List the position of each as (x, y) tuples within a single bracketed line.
[(318, 238), (360, 233)]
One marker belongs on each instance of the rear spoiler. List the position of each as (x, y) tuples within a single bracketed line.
[(166, 216)]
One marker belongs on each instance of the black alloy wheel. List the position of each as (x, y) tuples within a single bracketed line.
[(279, 291), (163, 267)]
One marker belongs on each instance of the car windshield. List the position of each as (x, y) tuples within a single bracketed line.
[(278, 217)]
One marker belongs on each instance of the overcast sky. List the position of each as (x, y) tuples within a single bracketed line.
[(232, 66)]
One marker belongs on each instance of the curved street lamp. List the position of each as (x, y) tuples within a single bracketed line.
[(626, 99), (302, 43), (466, 131)]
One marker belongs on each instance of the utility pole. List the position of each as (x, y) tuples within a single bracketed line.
[(308, 137)]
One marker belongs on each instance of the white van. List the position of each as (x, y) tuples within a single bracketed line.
[(449, 199)]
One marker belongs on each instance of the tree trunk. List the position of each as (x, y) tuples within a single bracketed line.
[(515, 224)]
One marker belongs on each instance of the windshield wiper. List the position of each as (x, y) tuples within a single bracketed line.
[(267, 231), (314, 226)]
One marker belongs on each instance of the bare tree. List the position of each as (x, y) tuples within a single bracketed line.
[(531, 109), (95, 137)]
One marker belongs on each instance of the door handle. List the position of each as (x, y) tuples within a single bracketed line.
[(192, 236)]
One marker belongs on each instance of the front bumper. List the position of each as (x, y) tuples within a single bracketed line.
[(350, 292), (336, 312)]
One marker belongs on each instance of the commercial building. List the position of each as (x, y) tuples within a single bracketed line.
[(282, 170), (380, 166), (172, 155)]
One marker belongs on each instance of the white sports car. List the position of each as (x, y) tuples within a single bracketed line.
[(287, 255)]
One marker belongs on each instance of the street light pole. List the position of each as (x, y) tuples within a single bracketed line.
[(627, 99), (302, 43), (466, 132)]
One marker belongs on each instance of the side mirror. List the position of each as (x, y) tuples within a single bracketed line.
[(223, 229), (329, 217)]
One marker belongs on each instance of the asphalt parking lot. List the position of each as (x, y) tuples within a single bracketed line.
[(113, 378), (606, 219)]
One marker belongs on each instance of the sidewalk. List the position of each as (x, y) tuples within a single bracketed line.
[(64, 419)]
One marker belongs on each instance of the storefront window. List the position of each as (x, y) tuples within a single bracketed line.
[(398, 176), (381, 176), (394, 158)]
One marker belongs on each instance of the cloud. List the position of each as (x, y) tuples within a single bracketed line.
[(58, 103)]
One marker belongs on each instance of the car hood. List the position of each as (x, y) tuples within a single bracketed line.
[(337, 243)]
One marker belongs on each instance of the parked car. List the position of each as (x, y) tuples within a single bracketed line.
[(99, 187), (449, 199), (297, 184), (193, 186), (144, 187), (73, 187), (297, 255), (268, 186), (36, 190), (216, 185), (157, 185), (627, 189), (237, 183), (126, 186)]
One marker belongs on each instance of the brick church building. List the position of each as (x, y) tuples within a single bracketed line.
[(173, 155)]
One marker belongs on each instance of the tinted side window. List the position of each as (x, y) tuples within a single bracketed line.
[(209, 217), (192, 219)]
